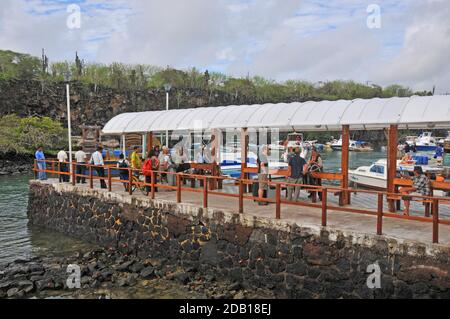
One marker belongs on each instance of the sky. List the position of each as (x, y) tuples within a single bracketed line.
[(407, 43)]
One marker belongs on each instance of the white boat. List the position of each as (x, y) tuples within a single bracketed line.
[(336, 145), (425, 142), (375, 175)]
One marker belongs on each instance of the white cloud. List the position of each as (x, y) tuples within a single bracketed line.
[(307, 39)]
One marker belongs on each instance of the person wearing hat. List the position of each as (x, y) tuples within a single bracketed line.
[(421, 187)]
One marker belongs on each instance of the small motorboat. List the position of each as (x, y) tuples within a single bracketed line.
[(375, 175), (361, 147), (336, 145), (425, 142)]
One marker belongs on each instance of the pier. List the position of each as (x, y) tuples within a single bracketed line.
[(319, 246)]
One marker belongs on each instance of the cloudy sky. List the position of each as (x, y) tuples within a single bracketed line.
[(314, 40)]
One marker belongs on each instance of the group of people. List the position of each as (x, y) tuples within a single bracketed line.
[(300, 172), (157, 160), (64, 165)]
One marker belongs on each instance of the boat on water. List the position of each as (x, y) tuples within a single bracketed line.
[(375, 175), (358, 146), (425, 142), (361, 146)]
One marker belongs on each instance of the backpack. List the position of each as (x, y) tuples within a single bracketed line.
[(123, 164)]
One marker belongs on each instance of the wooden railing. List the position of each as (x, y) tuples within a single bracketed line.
[(109, 179)]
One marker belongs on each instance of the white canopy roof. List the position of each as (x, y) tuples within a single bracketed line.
[(415, 112)]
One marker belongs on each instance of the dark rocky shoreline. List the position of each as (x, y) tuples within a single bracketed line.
[(111, 274), (15, 163)]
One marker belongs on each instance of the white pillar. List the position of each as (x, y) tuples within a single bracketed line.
[(167, 108), (124, 146), (69, 126)]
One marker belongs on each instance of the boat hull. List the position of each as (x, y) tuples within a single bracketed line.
[(426, 148), (371, 182)]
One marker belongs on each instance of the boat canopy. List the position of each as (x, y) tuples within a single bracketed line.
[(416, 112)]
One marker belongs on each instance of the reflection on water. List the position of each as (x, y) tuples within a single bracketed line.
[(332, 159)]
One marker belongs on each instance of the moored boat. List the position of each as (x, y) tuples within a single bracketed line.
[(375, 175)]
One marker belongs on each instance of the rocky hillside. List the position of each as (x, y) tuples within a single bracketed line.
[(96, 105)]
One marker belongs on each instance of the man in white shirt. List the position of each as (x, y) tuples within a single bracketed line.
[(80, 157), (63, 166), (97, 160)]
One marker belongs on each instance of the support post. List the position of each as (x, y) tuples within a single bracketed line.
[(324, 206), (435, 221), (205, 192), (241, 197), (109, 180), (278, 201), (392, 163), (344, 162), (380, 215), (74, 180), (153, 182), (124, 146), (91, 177), (178, 188), (130, 181), (244, 152)]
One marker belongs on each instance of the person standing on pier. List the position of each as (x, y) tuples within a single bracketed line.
[(296, 165), (63, 167), (97, 161), (136, 163), (80, 157), (40, 157)]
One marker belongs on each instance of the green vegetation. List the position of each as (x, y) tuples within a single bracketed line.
[(138, 77), (24, 135)]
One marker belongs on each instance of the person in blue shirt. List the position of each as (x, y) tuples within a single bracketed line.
[(40, 157), (439, 152)]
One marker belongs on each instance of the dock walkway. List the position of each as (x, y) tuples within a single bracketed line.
[(311, 216)]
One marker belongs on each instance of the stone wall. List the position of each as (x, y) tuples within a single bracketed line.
[(12, 163), (291, 260)]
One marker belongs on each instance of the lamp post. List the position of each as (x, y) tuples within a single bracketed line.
[(167, 87), (67, 78)]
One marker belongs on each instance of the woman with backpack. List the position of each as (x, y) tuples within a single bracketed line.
[(123, 166), (151, 166)]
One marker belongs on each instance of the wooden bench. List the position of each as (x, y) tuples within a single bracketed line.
[(401, 182)]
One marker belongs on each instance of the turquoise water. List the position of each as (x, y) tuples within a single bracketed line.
[(17, 239)]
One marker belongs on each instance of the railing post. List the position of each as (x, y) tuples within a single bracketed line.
[(380, 214), (153, 183), (130, 181), (205, 192), (178, 188), (35, 170), (53, 168), (109, 180), (278, 201), (91, 177), (324, 206), (241, 197), (74, 173), (435, 221)]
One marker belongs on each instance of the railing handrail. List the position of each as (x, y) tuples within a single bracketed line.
[(240, 182)]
